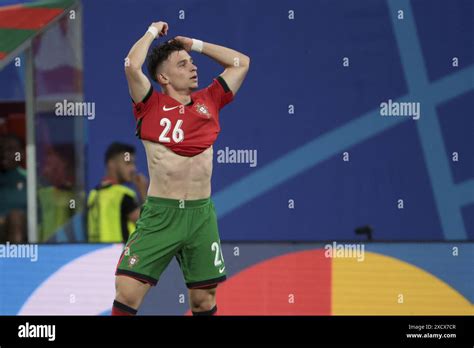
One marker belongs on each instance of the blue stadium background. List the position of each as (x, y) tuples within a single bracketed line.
[(299, 62), (336, 109)]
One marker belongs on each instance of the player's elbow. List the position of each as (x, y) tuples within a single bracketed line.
[(245, 61), (131, 66)]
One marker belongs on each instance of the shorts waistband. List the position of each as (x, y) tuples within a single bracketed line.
[(178, 203)]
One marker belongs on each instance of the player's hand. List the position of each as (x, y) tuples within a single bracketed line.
[(140, 181), (185, 41), (162, 28)]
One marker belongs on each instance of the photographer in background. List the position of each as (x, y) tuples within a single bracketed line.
[(112, 207)]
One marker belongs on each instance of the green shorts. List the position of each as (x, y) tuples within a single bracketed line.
[(186, 229)]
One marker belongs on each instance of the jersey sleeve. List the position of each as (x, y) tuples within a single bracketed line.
[(219, 92), (142, 108)]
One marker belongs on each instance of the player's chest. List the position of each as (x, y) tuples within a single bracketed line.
[(199, 111), (175, 123)]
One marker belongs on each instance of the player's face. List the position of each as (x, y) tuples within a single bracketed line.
[(126, 168), (181, 71), (9, 149), (54, 169)]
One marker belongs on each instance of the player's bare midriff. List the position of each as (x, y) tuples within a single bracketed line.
[(178, 177)]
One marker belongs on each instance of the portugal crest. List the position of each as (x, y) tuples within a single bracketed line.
[(202, 109), (133, 261)]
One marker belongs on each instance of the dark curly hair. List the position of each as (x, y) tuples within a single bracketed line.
[(159, 54)]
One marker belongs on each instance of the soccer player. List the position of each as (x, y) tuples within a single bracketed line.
[(178, 127)]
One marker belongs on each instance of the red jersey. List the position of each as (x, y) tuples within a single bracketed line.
[(189, 129)]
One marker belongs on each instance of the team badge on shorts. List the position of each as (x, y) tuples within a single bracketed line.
[(133, 261), (202, 109)]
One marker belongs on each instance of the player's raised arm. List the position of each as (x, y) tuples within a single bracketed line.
[(138, 83), (236, 64)]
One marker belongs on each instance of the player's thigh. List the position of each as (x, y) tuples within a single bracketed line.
[(201, 259), (130, 289), (153, 245)]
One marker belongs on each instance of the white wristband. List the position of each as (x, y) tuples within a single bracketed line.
[(153, 31), (197, 45)]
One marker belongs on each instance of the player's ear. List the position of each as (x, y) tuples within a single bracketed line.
[(110, 165), (162, 79)]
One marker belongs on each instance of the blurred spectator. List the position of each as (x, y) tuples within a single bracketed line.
[(12, 191), (112, 207), (57, 198)]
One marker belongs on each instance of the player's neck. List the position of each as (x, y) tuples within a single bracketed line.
[(182, 97), (110, 177)]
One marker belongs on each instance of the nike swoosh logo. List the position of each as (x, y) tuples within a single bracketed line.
[(168, 109), (221, 269)]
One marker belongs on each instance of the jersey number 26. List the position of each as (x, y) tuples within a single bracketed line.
[(178, 133)]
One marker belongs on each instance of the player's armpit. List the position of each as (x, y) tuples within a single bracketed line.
[(235, 75), (220, 92)]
